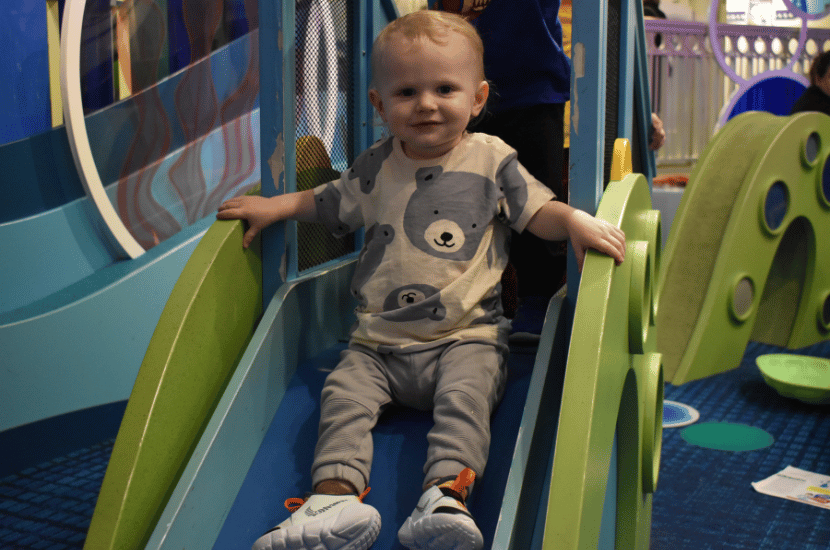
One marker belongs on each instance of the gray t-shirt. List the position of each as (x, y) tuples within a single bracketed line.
[(436, 244)]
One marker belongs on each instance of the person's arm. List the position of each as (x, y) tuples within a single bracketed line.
[(658, 133), (260, 212), (556, 221)]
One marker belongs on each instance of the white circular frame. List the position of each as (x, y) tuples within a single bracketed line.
[(73, 112)]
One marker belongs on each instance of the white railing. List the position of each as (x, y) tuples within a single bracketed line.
[(689, 89)]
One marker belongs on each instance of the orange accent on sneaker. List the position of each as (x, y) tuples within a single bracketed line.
[(293, 504), (363, 494), (463, 480)]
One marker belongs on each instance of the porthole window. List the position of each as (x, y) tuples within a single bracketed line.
[(776, 205), (824, 313), (811, 147), (742, 299)]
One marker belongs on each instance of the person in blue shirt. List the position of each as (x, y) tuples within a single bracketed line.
[(529, 75)]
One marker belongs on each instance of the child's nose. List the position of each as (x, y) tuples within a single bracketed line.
[(426, 102)]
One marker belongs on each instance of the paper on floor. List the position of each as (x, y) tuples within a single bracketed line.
[(799, 485)]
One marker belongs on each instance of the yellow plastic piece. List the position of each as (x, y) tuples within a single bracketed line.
[(621, 161), (54, 49), (311, 153)]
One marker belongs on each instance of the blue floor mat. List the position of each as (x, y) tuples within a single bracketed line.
[(50, 506), (704, 499)]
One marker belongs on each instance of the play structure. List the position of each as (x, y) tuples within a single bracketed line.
[(761, 218), (221, 422), (75, 311), (229, 483), (597, 488), (202, 449)]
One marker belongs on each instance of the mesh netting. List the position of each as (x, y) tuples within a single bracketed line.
[(612, 84), (325, 100)]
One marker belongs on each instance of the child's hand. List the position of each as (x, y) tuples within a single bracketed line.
[(556, 221), (586, 232), (257, 211), (260, 212)]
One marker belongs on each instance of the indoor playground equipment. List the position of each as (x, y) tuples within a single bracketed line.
[(764, 187), (598, 451), (221, 423), (194, 463), (75, 311), (797, 376), (169, 474)]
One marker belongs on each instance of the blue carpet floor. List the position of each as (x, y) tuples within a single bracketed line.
[(704, 499), (49, 506)]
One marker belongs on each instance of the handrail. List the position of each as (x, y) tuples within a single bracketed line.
[(692, 82), (693, 28)]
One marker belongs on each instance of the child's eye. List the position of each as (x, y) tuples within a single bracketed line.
[(446, 89), (406, 92)]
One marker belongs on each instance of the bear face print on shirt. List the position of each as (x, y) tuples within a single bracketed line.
[(436, 239), (448, 213)]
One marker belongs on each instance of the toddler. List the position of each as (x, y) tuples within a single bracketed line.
[(437, 204)]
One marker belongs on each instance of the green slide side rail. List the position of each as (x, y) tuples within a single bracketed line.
[(203, 330), (613, 386), (746, 257)]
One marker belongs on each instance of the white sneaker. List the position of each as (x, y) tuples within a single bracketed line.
[(324, 522), (440, 520)]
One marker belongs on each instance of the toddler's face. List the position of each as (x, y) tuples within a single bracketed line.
[(427, 93)]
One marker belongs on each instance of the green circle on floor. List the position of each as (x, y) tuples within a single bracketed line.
[(725, 436)]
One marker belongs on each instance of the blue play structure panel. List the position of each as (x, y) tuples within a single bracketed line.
[(25, 105), (775, 95), (281, 468)]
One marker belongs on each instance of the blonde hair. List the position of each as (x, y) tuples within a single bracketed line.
[(432, 24)]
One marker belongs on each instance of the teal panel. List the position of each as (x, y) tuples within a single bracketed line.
[(39, 174), (276, 46), (588, 67), (32, 248), (628, 54), (524, 492), (89, 337), (642, 98)]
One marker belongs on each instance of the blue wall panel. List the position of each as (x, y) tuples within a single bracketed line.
[(38, 174), (24, 67)]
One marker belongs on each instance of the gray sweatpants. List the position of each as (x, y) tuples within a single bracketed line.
[(461, 382)]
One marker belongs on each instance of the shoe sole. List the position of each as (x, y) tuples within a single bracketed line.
[(349, 530), (440, 532)]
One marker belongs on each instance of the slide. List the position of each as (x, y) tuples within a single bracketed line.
[(221, 425)]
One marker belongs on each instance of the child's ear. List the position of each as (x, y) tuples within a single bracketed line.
[(377, 102), (480, 98)]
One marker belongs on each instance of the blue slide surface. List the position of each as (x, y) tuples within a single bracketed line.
[(281, 467)]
